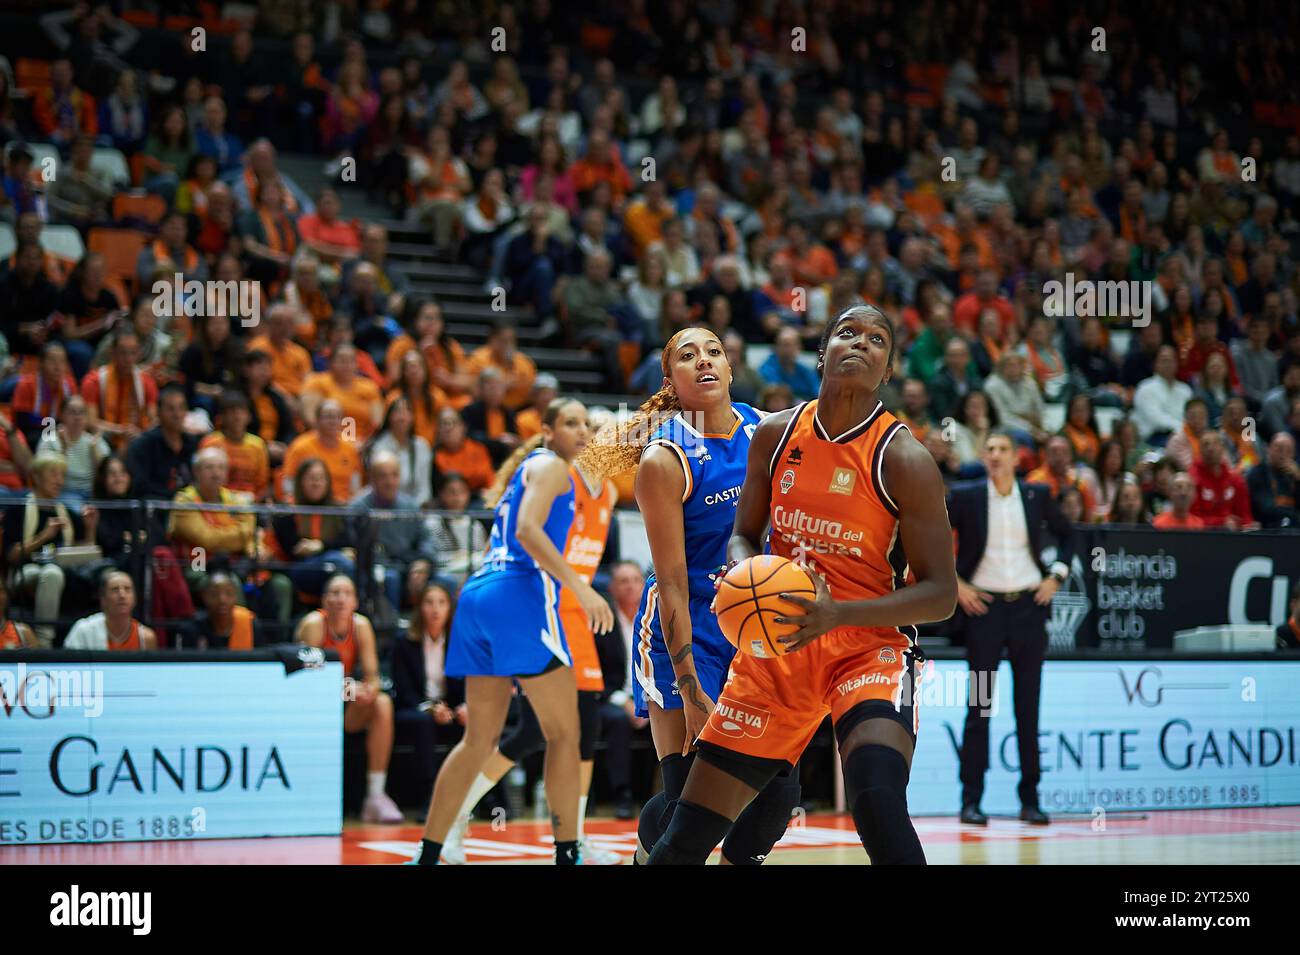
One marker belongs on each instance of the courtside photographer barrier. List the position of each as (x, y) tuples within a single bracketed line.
[(109, 747)]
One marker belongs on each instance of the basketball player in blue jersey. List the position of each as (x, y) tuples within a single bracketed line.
[(507, 627), (691, 442)]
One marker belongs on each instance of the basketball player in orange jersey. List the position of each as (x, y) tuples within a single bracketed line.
[(690, 443), (849, 491), (593, 510), (338, 626)]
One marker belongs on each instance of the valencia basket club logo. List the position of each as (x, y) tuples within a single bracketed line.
[(739, 719)]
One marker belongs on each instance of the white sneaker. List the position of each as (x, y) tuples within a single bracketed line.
[(381, 809), (589, 854), (453, 850)]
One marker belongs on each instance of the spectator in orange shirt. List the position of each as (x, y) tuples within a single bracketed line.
[(122, 399), (358, 397), (1057, 473), (964, 230), (427, 331), (40, 394), (290, 362), (601, 163), (342, 457), (459, 453), (812, 263), (489, 421), (63, 111), (326, 234), (438, 184), (311, 305), (1182, 491), (502, 352), (528, 420), (424, 397), (250, 465), (271, 412), (646, 216)]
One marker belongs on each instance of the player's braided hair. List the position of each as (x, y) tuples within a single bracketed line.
[(511, 464), (617, 447)]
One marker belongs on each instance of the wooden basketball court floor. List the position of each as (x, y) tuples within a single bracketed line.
[(1200, 837)]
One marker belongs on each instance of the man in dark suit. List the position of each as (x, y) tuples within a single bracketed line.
[(1005, 592)]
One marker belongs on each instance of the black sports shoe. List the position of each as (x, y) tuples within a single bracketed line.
[(1034, 816), (972, 816)]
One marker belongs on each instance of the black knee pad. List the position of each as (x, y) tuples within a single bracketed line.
[(588, 724), (691, 836), (658, 809), (764, 821), (526, 738), (876, 778)]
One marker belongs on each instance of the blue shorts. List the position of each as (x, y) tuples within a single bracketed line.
[(507, 624), (655, 681)]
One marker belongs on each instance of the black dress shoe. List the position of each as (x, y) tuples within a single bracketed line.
[(972, 816), (1034, 816)]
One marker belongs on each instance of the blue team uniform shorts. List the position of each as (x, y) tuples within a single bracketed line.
[(507, 624), (653, 668)]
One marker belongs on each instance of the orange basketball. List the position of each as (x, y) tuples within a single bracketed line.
[(748, 603)]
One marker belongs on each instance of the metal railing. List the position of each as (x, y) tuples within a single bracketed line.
[(147, 530)]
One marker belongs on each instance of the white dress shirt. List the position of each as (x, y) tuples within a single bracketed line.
[(626, 627), (1007, 564), (435, 676), (1158, 405)]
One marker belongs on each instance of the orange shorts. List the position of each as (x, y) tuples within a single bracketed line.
[(582, 649), (770, 709)]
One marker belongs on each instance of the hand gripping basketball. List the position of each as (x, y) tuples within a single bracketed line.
[(821, 615), (752, 599)]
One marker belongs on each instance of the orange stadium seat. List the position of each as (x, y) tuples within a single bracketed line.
[(144, 19), (31, 74), (148, 208), (120, 248)]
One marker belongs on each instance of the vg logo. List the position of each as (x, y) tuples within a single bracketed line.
[(1148, 688)]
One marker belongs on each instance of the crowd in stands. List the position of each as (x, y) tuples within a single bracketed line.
[(618, 174)]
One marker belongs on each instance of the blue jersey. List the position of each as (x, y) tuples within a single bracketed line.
[(505, 553), (714, 465)]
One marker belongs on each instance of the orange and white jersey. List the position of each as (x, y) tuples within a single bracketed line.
[(830, 506), (592, 515)]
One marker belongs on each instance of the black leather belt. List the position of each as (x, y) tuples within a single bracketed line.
[(1012, 595)]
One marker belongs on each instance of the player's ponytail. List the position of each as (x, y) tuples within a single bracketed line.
[(511, 464), (618, 446)]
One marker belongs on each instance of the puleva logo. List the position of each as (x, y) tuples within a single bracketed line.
[(739, 719)]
